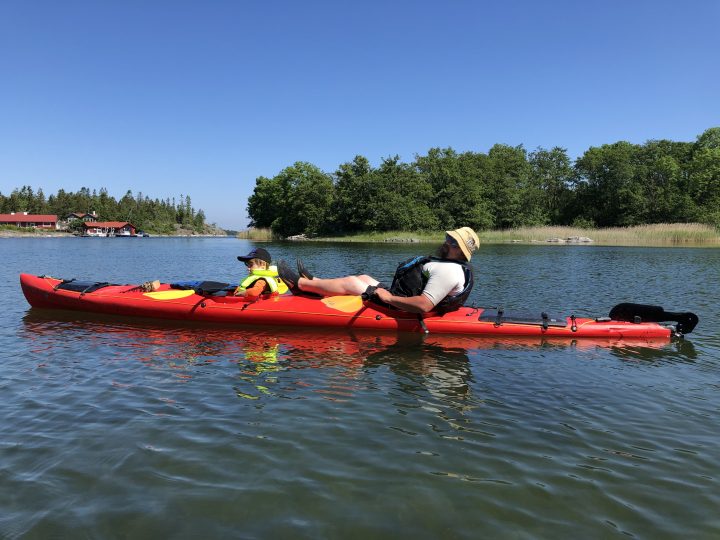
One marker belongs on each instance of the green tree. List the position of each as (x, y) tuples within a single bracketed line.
[(266, 202), (188, 218), (199, 221), (710, 138), (126, 206), (105, 204), (22, 200), (611, 194), (40, 205), (662, 171), (704, 168), (60, 204), (83, 200), (402, 198), (305, 201), (508, 180), (459, 191), (354, 196), (549, 193)]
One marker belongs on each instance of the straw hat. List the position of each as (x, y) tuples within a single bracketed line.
[(466, 239)]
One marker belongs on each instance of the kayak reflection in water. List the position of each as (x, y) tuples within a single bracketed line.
[(442, 370), (272, 366), (420, 284)]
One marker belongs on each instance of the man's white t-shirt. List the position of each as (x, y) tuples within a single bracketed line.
[(445, 279)]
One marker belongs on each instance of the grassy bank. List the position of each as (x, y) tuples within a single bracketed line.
[(265, 235), (257, 235), (664, 234)]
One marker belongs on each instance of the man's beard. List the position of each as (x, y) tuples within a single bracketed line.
[(443, 251)]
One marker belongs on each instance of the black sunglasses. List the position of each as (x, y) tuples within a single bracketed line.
[(450, 241)]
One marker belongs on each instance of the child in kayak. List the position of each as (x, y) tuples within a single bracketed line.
[(262, 276)]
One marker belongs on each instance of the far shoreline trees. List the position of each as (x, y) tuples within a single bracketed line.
[(618, 184), (152, 215)]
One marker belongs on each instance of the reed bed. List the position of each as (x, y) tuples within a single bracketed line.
[(661, 234), (257, 235), (389, 236)]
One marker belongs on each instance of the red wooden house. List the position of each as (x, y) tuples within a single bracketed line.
[(23, 219)]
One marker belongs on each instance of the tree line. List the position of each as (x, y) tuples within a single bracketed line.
[(152, 215), (618, 184)]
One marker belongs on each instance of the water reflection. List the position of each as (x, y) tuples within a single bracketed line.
[(176, 343), (259, 368), (437, 375), (440, 367), (436, 367), (679, 350)]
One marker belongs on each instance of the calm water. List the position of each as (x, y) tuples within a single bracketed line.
[(119, 430)]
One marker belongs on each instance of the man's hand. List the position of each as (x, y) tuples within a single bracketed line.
[(384, 295), (413, 304)]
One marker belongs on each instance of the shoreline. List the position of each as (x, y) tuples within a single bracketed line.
[(58, 234), (657, 235), (660, 235)]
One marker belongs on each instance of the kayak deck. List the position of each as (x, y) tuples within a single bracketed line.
[(331, 312)]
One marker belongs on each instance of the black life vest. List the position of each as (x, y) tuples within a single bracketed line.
[(410, 280)]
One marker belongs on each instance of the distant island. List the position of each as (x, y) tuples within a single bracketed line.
[(97, 213)]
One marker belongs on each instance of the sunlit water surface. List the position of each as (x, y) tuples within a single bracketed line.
[(120, 429)]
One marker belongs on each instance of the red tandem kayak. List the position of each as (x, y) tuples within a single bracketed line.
[(627, 321)]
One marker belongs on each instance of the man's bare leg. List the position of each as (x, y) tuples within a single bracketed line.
[(332, 286)]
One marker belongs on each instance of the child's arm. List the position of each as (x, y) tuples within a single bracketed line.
[(254, 292)]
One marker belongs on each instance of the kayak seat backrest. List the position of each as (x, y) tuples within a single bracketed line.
[(501, 316), (81, 286)]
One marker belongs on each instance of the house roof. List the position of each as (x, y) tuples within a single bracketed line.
[(22, 218), (107, 224)]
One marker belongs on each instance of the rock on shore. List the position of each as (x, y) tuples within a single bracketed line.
[(571, 240)]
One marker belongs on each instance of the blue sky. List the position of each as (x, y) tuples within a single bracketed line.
[(201, 97)]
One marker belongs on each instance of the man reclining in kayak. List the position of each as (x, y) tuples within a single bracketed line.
[(420, 284)]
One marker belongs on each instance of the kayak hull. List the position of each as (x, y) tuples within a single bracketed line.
[(299, 311)]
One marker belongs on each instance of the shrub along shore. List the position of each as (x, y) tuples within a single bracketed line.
[(660, 235)]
